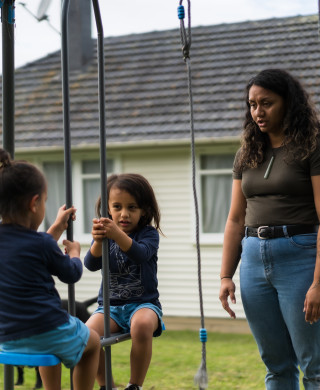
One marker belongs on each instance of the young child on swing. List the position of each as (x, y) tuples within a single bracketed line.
[(31, 317), (133, 247)]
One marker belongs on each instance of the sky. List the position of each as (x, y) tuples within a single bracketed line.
[(35, 39)]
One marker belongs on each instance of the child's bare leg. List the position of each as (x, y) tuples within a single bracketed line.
[(96, 322), (51, 377), (85, 371), (143, 324), (101, 377)]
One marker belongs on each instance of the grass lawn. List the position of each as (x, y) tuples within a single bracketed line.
[(233, 363)]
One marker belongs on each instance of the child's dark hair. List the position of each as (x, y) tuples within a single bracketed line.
[(138, 187), (19, 182)]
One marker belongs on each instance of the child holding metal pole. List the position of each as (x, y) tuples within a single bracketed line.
[(31, 317), (133, 247)]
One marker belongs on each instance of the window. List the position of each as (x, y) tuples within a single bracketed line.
[(91, 189), (86, 175), (54, 173), (216, 184)]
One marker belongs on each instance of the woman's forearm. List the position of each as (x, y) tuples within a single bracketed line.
[(233, 235)]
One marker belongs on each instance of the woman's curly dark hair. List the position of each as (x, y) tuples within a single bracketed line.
[(300, 123)]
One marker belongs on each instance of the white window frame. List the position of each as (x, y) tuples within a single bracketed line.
[(77, 193), (209, 238), (77, 179)]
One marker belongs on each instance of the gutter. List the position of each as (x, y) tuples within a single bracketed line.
[(132, 144)]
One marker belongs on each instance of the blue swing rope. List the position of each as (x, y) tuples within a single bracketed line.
[(10, 17), (201, 377)]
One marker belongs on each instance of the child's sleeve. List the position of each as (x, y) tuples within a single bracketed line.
[(68, 270), (91, 262), (145, 246)]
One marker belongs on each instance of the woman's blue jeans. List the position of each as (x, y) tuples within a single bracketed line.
[(275, 275)]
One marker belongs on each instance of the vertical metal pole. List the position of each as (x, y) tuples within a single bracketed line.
[(66, 129), (7, 18), (66, 109), (67, 141), (104, 200)]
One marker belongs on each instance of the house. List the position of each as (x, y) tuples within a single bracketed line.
[(148, 132)]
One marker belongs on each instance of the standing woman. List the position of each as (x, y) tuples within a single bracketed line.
[(273, 226)]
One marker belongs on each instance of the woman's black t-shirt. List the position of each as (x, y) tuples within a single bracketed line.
[(286, 196)]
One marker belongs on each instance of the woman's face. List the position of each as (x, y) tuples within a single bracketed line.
[(267, 110)]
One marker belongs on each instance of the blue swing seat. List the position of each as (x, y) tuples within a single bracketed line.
[(31, 360)]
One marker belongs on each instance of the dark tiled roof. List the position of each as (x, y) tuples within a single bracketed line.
[(146, 83)]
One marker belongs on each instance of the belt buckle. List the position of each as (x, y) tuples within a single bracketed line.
[(259, 232)]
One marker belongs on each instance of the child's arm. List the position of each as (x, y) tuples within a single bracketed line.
[(142, 248), (61, 222), (107, 228), (104, 228), (93, 258), (67, 267), (72, 248), (97, 235), (145, 245)]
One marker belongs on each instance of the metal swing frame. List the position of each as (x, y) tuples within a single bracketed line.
[(8, 107)]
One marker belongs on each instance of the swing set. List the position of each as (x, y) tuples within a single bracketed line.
[(8, 20)]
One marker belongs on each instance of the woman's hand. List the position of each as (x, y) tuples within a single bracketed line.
[(227, 289), (312, 303), (312, 300)]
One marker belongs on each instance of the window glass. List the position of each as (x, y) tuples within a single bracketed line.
[(91, 189), (90, 167), (90, 178), (216, 185), (54, 173)]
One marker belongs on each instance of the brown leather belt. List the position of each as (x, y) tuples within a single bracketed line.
[(267, 232)]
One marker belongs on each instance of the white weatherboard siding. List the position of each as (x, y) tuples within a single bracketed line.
[(170, 177)]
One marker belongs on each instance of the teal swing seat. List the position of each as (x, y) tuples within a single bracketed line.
[(26, 359)]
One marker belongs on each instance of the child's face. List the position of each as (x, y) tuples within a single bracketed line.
[(39, 213), (124, 210)]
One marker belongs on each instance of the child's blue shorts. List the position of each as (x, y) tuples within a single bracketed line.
[(67, 342), (122, 315)]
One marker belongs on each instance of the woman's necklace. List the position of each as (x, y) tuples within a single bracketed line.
[(268, 170), (275, 145)]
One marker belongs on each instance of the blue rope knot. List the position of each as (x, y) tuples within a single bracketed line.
[(203, 335), (11, 14), (181, 13), (185, 38)]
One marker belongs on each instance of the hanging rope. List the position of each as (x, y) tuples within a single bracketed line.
[(201, 377), (319, 18)]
